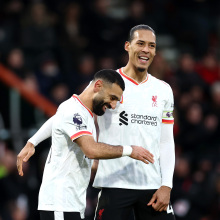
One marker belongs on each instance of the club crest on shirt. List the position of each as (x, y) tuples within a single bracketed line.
[(78, 122), (154, 99)]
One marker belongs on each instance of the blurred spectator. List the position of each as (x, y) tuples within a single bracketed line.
[(200, 193), (10, 12), (213, 119), (103, 31), (160, 68), (208, 68), (212, 127), (37, 34), (136, 15), (13, 201), (215, 97), (183, 182), (8, 36), (186, 75), (30, 82), (86, 70), (106, 62), (59, 92), (214, 207), (194, 18), (48, 74), (192, 129), (71, 37), (183, 103), (14, 7), (15, 61)]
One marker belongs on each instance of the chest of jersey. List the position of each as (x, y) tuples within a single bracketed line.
[(137, 119), (141, 105)]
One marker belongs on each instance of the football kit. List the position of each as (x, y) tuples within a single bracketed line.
[(144, 117), (67, 170), (137, 120)]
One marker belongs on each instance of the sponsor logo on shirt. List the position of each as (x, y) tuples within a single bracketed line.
[(138, 119), (77, 120), (144, 119), (123, 118)]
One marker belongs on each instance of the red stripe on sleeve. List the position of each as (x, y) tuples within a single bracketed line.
[(167, 121), (80, 134)]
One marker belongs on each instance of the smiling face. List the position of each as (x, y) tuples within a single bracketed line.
[(107, 97), (141, 49)]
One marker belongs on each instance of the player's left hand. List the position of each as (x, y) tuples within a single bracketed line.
[(24, 156), (160, 199)]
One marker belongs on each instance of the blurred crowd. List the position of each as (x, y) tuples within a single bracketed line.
[(55, 47)]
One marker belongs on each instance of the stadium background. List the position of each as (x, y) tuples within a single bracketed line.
[(54, 47)]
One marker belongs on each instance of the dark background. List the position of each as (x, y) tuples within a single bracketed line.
[(55, 47)]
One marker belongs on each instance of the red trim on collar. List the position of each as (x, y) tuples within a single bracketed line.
[(132, 80), (76, 97)]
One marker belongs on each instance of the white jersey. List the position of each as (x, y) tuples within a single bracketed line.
[(67, 170), (136, 120)]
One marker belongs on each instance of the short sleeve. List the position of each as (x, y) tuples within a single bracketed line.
[(167, 117), (75, 124)]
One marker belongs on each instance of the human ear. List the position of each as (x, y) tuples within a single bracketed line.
[(98, 85), (127, 45)]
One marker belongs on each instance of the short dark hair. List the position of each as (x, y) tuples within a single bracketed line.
[(110, 76), (139, 27)]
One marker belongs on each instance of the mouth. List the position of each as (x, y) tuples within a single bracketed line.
[(143, 59), (106, 107)]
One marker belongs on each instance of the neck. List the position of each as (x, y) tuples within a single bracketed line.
[(134, 73), (86, 99)]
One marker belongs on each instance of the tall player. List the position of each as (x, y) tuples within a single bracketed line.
[(66, 176), (145, 117)]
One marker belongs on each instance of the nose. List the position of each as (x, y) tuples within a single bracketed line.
[(113, 104), (145, 49)]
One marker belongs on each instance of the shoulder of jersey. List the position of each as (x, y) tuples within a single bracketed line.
[(70, 105), (160, 82)]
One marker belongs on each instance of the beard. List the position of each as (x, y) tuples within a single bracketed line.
[(141, 69), (98, 104)]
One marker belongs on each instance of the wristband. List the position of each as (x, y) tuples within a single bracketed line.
[(127, 150)]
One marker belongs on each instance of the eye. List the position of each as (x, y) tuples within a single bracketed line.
[(152, 45), (113, 98), (139, 43)]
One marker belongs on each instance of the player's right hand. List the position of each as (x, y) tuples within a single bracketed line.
[(24, 156), (139, 153)]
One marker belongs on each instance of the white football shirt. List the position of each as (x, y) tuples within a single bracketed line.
[(67, 170), (136, 120)]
